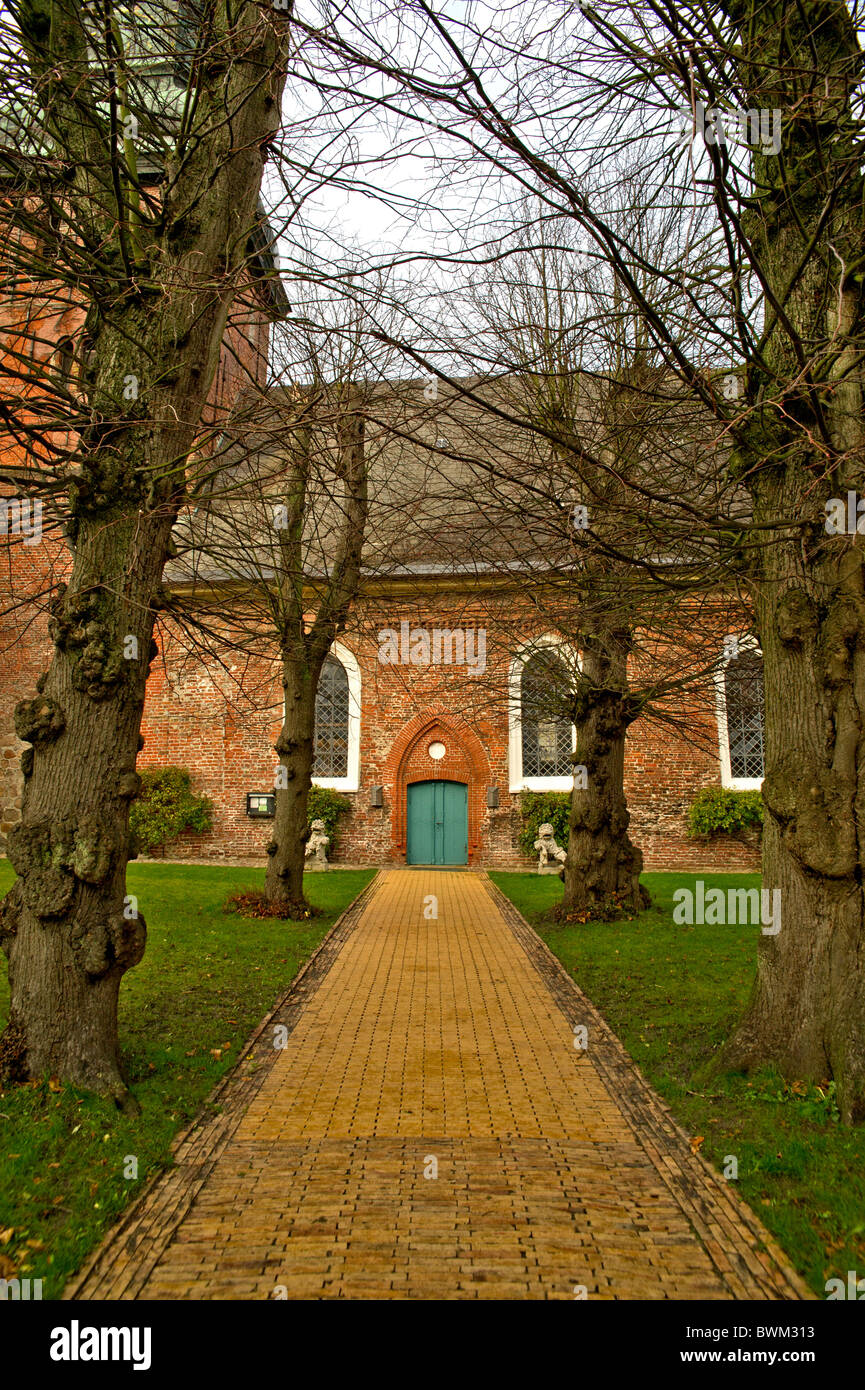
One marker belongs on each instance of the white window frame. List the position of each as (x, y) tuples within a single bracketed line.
[(517, 782), (351, 782), (735, 784)]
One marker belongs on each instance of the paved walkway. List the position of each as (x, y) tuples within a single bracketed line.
[(430, 1131)]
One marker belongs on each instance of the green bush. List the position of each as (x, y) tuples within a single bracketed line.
[(328, 806), (720, 811), (538, 807), (166, 806)]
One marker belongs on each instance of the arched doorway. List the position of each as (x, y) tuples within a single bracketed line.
[(437, 823), (458, 757)]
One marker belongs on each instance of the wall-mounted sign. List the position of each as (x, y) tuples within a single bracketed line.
[(260, 803)]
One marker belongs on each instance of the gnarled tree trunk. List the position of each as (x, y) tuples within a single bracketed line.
[(801, 444), (66, 926), (807, 1010), (602, 871)]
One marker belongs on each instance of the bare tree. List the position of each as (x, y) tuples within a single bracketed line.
[(749, 120), (606, 434), (130, 207), (272, 559)]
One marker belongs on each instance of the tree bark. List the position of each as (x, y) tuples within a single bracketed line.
[(801, 444), (806, 1014), (295, 745), (304, 651), (66, 926), (603, 867)]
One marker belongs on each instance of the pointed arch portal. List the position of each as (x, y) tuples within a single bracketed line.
[(437, 748)]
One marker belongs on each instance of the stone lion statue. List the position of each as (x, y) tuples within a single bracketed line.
[(550, 857), (316, 845)]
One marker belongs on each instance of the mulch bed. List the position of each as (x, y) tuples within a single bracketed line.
[(254, 904)]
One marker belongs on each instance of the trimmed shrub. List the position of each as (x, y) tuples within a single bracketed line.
[(166, 806), (538, 807), (720, 811)]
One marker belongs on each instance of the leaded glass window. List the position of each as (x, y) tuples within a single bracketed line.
[(743, 693), (330, 755), (188, 23), (546, 732)]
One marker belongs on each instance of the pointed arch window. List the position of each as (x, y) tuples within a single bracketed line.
[(740, 716), (65, 357), (336, 749), (542, 736), (547, 739), (331, 721)]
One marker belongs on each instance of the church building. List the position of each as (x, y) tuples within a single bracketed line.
[(428, 716), (431, 720)]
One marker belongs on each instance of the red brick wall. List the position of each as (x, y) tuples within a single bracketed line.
[(203, 720), (29, 573), (198, 719)]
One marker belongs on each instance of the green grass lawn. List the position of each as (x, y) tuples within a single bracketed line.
[(205, 982), (672, 994)]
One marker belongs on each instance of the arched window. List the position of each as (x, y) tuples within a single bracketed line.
[(336, 751), (65, 357), (187, 25), (546, 733), (331, 721), (542, 737), (740, 717)]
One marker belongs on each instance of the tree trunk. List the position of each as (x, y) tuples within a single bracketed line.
[(155, 324), (800, 444), (66, 925), (287, 849), (304, 650), (807, 1009), (602, 871)]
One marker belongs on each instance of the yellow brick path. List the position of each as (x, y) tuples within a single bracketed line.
[(438, 1044)]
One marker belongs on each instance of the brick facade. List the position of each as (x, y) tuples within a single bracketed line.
[(220, 719), (29, 573), (198, 718)]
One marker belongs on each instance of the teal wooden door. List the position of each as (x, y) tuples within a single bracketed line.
[(438, 823)]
